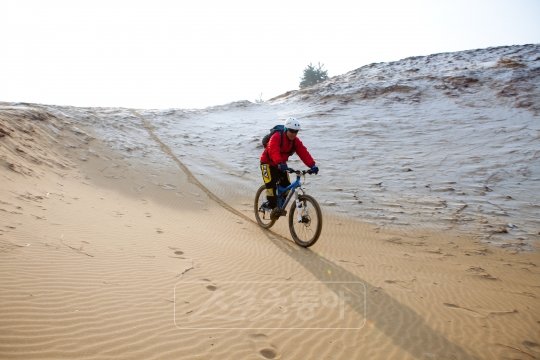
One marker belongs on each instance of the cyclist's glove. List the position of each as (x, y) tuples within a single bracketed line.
[(283, 167), (314, 169)]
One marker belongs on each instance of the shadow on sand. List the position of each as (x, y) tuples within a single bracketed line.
[(404, 326)]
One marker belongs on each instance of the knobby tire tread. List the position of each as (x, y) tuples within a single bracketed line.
[(318, 211)]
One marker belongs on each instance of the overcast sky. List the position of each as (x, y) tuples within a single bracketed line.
[(193, 54)]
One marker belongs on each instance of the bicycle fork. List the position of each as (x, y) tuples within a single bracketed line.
[(301, 209)]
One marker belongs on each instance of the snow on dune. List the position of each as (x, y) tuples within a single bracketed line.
[(447, 141)]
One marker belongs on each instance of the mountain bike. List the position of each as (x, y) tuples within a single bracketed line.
[(305, 216)]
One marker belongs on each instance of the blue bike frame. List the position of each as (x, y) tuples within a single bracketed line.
[(282, 203)]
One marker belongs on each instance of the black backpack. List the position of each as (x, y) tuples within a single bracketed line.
[(281, 129)]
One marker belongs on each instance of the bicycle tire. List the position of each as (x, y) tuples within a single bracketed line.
[(305, 226), (260, 198)]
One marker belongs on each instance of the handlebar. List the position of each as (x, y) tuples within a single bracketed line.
[(299, 172)]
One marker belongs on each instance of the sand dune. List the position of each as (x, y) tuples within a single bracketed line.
[(114, 243), (107, 258)]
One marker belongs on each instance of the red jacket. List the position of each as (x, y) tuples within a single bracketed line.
[(279, 149)]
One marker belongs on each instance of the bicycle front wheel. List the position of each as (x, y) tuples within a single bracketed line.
[(262, 216), (305, 223)]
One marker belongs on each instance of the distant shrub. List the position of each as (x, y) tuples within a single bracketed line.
[(259, 100), (313, 75)]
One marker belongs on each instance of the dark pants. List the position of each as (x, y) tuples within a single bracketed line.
[(271, 177)]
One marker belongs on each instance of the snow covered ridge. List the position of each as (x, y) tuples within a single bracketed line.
[(509, 73), (447, 141)]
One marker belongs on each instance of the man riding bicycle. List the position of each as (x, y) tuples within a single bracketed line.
[(274, 159)]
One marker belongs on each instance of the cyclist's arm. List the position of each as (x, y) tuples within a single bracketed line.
[(303, 153)]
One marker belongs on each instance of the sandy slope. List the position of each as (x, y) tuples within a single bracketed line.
[(104, 255), (446, 141)]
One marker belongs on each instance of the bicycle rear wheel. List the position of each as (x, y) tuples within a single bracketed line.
[(262, 216), (305, 223)]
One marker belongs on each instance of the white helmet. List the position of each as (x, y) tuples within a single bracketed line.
[(292, 123)]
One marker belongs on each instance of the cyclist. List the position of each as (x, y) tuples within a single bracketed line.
[(274, 159)]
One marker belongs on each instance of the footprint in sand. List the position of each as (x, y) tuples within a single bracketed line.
[(531, 345), (263, 348), (480, 272), (210, 287), (404, 284), (476, 269), (268, 353), (467, 311), (179, 254)]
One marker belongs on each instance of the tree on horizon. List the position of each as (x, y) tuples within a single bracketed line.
[(313, 75)]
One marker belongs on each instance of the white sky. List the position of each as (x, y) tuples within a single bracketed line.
[(198, 53)]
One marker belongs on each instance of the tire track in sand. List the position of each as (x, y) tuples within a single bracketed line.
[(191, 178)]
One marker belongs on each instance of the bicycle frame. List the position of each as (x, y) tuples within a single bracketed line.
[(282, 204)]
